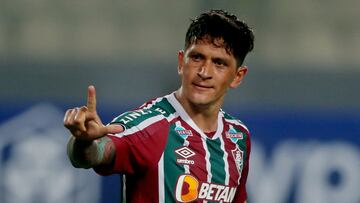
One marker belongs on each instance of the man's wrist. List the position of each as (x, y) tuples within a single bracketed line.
[(77, 152)]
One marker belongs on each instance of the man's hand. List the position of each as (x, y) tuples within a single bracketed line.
[(85, 124)]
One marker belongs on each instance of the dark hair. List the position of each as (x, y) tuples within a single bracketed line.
[(218, 24)]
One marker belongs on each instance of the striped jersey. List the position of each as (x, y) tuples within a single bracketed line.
[(167, 158)]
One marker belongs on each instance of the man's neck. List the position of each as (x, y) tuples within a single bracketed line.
[(204, 116)]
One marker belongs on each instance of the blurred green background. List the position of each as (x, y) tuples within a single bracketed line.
[(300, 98), (306, 52)]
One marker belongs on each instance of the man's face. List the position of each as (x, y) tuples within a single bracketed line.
[(207, 72)]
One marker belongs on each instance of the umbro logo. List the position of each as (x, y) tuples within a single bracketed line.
[(185, 152)]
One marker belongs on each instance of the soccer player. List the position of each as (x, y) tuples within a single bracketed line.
[(181, 147)]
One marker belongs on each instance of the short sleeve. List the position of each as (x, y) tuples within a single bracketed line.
[(137, 149)]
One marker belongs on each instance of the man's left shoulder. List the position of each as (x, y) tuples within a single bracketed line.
[(235, 121)]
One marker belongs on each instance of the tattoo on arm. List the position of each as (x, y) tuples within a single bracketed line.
[(87, 154), (105, 150)]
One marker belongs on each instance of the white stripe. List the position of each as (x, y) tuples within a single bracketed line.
[(226, 163), (220, 126), (141, 126), (236, 122), (239, 172), (153, 102), (144, 124), (172, 116), (161, 183), (222, 145), (186, 166), (148, 106), (207, 159)]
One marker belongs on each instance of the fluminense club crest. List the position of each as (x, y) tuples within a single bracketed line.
[(238, 156)]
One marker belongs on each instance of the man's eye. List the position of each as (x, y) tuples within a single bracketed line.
[(219, 63), (195, 57)]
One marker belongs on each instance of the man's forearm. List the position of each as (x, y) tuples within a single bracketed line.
[(88, 154)]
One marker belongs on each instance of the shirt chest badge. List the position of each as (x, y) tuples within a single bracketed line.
[(233, 135), (238, 156), (182, 131)]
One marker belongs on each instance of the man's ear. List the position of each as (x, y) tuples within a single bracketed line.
[(240, 74), (180, 61)]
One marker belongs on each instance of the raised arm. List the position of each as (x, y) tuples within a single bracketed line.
[(88, 146)]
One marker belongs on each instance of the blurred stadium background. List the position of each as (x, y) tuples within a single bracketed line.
[(300, 98)]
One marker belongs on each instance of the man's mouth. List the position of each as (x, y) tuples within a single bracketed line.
[(202, 86)]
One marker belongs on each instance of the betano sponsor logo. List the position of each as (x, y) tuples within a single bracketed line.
[(189, 189)]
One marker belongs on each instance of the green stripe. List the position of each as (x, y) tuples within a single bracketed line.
[(134, 118), (172, 170), (229, 117), (216, 161), (166, 106)]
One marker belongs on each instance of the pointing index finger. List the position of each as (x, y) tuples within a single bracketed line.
[(91, 100)]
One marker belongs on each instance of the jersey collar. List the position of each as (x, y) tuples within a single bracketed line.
[(185, 116)]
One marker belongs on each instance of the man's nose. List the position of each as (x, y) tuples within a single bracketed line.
[(205, 71)]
